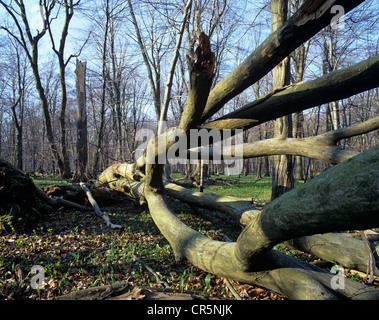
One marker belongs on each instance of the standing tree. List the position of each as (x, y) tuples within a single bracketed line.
[(23, 35), (19, 84), (69, 6), (81, 162), (282, 173)]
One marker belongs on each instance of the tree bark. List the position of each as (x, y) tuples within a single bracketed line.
[(347, 252), (229, 259), (81, 168), (336, 85), (305, 23), (282, 171), (327, 203)]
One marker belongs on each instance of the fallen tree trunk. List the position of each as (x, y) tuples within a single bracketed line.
[(318, 206), (346, 251), (335, 85), (238, 209), (104, 196), (350, 254), (286, 275)]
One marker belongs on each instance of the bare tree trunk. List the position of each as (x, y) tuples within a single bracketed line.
[(81, 165), (18, 117), (100, 133), (282, 175), (115, 94)]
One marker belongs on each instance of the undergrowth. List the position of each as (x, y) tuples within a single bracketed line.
[(77, 251)]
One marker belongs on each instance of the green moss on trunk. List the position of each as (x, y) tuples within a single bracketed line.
[(20, 205)]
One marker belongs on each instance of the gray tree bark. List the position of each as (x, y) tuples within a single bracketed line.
[(81, 166)]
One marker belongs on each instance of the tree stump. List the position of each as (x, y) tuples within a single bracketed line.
[(20, 204)]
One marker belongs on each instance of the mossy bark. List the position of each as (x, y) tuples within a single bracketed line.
[(20, 201), (344, 197), (335, 85), (284, 274), (304, 24)]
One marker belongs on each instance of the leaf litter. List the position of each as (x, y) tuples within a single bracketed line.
[(77, 251)]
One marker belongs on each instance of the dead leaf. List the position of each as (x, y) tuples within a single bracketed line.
[(137, 294)]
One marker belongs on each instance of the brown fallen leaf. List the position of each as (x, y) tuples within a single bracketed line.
[(137, 294)]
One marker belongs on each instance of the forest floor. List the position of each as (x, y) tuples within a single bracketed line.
[(77, 251)]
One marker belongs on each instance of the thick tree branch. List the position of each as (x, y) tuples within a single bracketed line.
[(220, 257), (322, 147), (343, 197), (335, 85), (305, 23), (239, 209), (347, 251)]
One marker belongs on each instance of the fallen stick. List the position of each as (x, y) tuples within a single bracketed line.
[(96, 208), (58, 201), (371, 259), (159, 280), (232, 290)]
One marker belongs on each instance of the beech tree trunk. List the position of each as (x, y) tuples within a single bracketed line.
[(282, 176)]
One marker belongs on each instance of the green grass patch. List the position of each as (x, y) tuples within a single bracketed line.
[(42, 182), (246, 187)]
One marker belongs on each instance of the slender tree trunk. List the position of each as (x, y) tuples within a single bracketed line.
[(47, 119), (116, 95), (100, 133), (282, 176), (18, 118), (62, 121), (298, 132)]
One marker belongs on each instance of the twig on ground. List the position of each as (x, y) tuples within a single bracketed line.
[(96, 207), (232, 290), (371, 259), (159, 280)]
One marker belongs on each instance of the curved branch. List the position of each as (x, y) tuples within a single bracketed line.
[(343, 197), (304, 24), (322, 147), (301, 279), (333, 86)]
